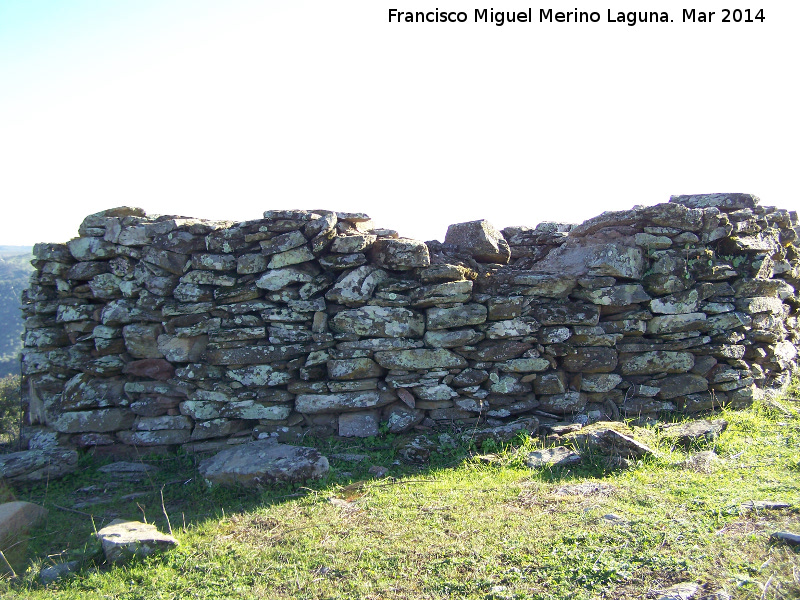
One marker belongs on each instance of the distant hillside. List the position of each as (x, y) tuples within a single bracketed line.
[(15, 268)]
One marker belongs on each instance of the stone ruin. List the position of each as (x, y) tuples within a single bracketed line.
[(150, 332)]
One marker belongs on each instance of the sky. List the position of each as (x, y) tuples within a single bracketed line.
[(225, 109)]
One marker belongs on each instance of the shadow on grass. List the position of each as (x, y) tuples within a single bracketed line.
[(174, 497)]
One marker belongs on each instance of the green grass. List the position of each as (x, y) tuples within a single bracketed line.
[(456, 528)]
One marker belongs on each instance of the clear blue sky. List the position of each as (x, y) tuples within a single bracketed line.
[(225, 109)]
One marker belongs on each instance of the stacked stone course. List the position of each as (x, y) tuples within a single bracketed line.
[(158, 331)]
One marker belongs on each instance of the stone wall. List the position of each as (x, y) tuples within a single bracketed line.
[(157, 331)]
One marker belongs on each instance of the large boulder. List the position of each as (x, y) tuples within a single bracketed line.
[(16, 520), (400, 254), (481, 240), (263, 462)]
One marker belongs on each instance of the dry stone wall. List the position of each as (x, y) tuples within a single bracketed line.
[(157, 331)]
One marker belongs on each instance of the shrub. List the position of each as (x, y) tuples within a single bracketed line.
[(10, 410)]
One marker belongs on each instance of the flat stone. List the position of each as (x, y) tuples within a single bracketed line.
[(253, 410), (377, 344), (506, 385), (85, 392), (524, 365), (560, 456), (417, 450), (164, 437), (519, 327), (263, 462), (84, 271), (505, 308), (402, 418), (678, 303), (127, 468), (105, 286), (456, 316), (652, 242), (124, 540), (676, 323), (214, 262), (552, 383), (591, 360), (54, 252), (616, 261), (470, 377), (787, 537), (481, 240), (656, 361), (53, 573), (162, 422), (182, 349), (209, 278), (91, 248), (357, 286), (760, 304), (600, 382), (502, 433), (342, 262), (543, 285), (439, 358), (201, 409), (673, 386), (38, 465), (172, 262), (572, 313), (353, 368), (400, 254), (724, 202), (259, 376), (379, 321), (451, 292), (452, 339), (97, 421), (150, 368), (695, 432), (215, 428), (562, 404), (609, 438), (361, 424), (294, 256), (441, 273), (752, 288), (277, 279), (141, 340), (497, 350), (248, 264), (283, 242), (618, 295), (342, 402), (352, 243), (255, 355)]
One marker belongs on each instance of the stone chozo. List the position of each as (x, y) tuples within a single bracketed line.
[(150, 332)]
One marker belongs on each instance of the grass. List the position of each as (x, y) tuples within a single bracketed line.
[(456, 528)]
